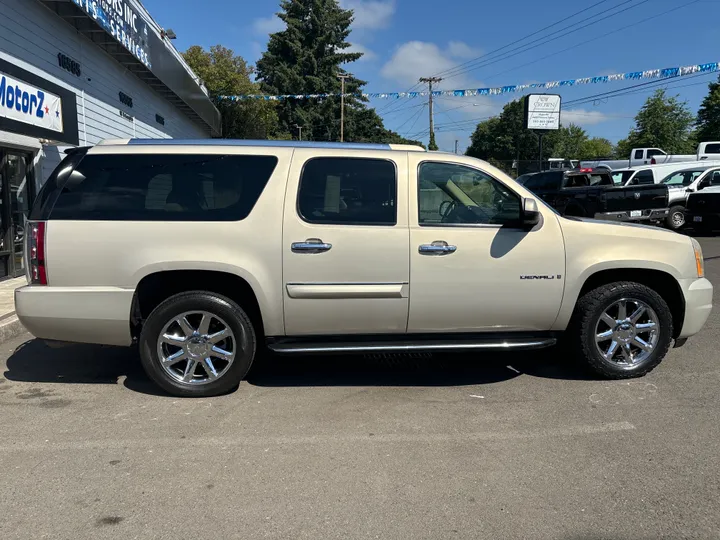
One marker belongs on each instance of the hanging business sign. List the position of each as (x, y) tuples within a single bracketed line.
[(32, 106), (542, 111), (119, 19)]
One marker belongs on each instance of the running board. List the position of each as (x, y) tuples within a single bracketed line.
[(306, 347)]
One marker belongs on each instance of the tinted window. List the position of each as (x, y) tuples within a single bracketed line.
[(638, 154), (643, 177), (576, 181), (456, 195), (543, 182), (712, 149), (156, 187), (653, 153), (348, 191)]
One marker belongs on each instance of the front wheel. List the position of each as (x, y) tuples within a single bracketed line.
[(622, 330), (197, 344), (676, 218)]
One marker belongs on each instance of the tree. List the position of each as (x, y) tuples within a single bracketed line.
[(224, 73), (568, 142), (595, 148), (663, 122), (622, 149), (708, 118)]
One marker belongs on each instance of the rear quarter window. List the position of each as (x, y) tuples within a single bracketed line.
[(177, 187)]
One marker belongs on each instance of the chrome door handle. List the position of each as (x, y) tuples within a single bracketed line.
[(439, 247), (311, 245)]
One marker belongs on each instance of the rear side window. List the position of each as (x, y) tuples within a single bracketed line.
[(655, 152), (643, 178), (712, 149), (542, 182), (348, 191), (178, 187)]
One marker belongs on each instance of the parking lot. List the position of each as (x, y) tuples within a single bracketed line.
[(512, 446)]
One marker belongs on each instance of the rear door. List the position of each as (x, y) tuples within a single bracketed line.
[(346, 243)]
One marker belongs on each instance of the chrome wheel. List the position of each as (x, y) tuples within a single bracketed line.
[(678, 219), (196, 347), (627, 333)]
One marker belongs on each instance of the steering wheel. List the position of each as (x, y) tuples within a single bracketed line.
[(446, 208)]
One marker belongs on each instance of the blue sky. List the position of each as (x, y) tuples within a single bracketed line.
[(406, 39)]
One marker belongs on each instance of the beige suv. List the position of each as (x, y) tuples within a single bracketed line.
[(204, 252)]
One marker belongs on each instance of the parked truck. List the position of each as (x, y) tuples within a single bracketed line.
[(655, 156)]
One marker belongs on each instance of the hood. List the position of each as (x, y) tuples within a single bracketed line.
[(617, 224)]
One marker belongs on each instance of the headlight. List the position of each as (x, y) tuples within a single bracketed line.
[(699, 261)]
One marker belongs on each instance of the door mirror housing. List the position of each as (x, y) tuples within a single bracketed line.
[(530, 215)]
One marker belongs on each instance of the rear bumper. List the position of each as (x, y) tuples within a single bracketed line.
[(702, 219), (698, 305), (656, 214), (78, 314)]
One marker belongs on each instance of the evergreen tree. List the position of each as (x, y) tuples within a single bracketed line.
[(664, 122), (708, 119)]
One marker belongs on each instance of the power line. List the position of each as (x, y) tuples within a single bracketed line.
[(563, 20), (415, 117), (537, 43), (603, 36)]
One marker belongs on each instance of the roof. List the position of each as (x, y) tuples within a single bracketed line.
[(247, 142)]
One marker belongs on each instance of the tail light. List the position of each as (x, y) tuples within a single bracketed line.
[(36, 253), (653, 161), (586, 170)]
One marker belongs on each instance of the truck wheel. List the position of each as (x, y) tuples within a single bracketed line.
[(676, 218), (197, 344), (622, 330)]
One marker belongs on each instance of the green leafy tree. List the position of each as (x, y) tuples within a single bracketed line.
[(595, 148), (663, 122), (622, 149), (568, 142), (708, 118), (225, 73)]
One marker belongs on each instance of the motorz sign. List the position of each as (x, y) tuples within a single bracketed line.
[(25, 103)]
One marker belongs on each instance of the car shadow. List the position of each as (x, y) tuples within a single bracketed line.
[(34, 361)]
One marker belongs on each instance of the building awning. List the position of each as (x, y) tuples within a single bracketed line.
[(122, 30)]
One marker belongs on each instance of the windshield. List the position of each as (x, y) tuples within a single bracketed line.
[(621, 177), (682, 178)]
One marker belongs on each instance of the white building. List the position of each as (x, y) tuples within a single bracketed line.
[(75, 72)]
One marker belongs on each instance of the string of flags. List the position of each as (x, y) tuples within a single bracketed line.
[(667, 73)]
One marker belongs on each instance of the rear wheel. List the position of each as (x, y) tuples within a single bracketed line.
[(197, 344), (676, 218), (622, 330)]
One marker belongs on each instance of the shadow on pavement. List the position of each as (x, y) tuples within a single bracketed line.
[(34, 361)]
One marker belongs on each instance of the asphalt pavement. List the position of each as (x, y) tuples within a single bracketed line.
[(424, 447)]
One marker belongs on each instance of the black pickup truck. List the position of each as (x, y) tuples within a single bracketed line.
[(702, 209), (591, 193)]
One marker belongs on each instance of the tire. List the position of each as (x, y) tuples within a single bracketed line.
[(676, 218), (221, 360), (589, 322)]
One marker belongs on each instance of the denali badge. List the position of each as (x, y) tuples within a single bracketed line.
[(541, 277)]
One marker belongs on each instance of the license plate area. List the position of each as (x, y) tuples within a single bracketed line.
[(697, 219), (636, 213)]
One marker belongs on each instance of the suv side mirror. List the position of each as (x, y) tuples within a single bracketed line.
[(530, 214)]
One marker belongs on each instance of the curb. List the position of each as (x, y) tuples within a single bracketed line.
[(10, 328)]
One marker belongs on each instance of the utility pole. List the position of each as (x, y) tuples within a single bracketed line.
[(430, 81), (299, 128), (342, 106), (456, 146)]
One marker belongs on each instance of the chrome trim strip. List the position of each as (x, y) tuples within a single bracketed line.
[(389, 347), (347, 290)]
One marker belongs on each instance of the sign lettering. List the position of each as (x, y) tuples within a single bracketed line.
[(543, 111), (25, 103), (69, 64)]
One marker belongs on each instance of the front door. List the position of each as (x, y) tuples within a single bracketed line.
[(345, 244), (472, 268)]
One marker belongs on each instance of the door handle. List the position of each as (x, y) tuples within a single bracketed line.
[(438, 247), (311, 245)]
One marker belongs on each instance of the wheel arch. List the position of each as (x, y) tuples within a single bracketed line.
[(661, 281), (155, 287)]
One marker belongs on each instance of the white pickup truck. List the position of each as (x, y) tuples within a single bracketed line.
[(705, 151), (639, 156)]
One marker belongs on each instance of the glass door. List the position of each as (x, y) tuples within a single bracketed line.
[(16, 190)]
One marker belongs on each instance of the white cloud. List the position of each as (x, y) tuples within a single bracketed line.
[(268, 25), (370, 14), (582, 117), (357, 48), (458, 49)]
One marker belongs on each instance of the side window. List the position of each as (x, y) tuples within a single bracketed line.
[(576, 181), (638, 154), (712, 148), (344, 191), (643, 178), (450, 194), (159, 187), (655, 152)]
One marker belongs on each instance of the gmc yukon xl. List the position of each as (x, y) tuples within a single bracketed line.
[(204, 252)]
